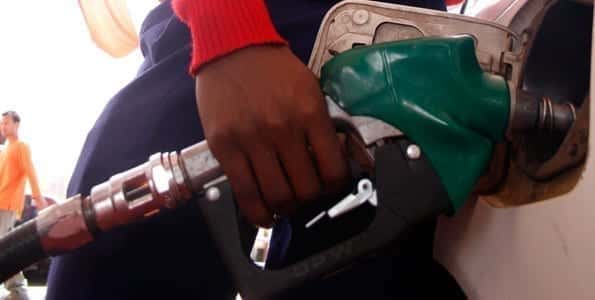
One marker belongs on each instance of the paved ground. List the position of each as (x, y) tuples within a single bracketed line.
[(35, 292), (38, 293)]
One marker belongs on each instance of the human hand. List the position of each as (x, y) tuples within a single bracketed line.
[(267, 124)]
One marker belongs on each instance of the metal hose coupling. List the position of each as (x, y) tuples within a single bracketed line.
[(166, 181)]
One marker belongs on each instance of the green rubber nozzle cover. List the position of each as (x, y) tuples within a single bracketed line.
[(435, 92)]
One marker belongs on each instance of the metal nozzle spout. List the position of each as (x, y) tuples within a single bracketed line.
[(532, 114)]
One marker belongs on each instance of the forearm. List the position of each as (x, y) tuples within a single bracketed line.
[(29, 169), (34, 183), (35, 191), (219, 27)]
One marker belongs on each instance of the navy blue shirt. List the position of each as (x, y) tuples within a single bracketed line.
[(171, 255)]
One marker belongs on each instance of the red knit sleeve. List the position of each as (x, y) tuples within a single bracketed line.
[(220, 27)]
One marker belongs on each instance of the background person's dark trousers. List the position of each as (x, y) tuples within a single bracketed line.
[(17, 284)]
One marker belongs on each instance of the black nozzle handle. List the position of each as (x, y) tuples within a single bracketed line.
[(19, 249), (409, 192)]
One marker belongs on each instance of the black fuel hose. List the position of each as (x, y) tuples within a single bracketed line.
[(58, 229), (19, 248)]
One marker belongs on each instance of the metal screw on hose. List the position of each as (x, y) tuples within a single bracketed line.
[(213, 194), (413, 151)]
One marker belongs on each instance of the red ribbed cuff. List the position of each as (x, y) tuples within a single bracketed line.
[(220, 27)]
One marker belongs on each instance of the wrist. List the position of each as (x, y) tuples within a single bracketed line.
[(221, 27), (245, 57)]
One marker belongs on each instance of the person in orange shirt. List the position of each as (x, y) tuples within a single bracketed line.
[(2, 140), (15, 168)]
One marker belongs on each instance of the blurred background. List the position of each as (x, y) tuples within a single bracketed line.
[(60, 62), (58, 80)]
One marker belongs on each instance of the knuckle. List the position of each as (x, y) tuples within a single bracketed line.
[(335, 176), (260, 219), (253, 211), (276, 123), (316, 117), (280, 203), (311, 112), (218, 139), (242, 135), (308, 193), (275, 126)]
